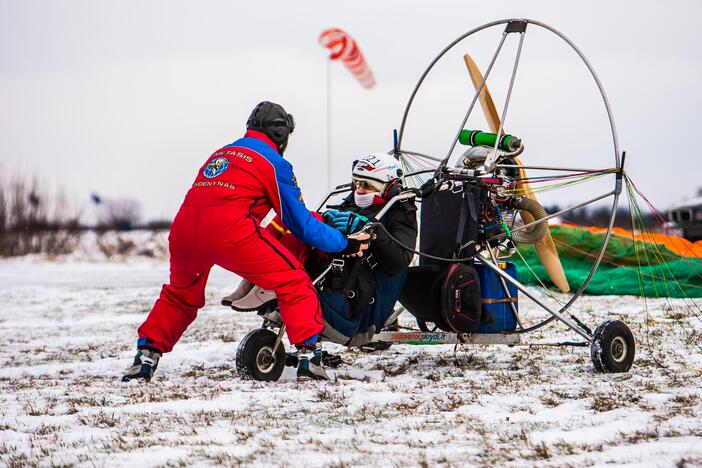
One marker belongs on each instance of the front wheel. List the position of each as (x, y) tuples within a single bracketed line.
[(255, 358), (612, 349)]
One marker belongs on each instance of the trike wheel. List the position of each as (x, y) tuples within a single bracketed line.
[(612, 349), (255, 358)]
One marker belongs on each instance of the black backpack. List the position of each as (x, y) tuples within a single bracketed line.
[(460, 298), (356, 281), (448, 296)]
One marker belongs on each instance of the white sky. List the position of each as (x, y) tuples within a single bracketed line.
[(128, 99)]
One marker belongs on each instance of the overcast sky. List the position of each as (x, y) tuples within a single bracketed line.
[(127, 99)]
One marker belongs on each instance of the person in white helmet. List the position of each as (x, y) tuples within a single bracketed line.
[(358, 302)]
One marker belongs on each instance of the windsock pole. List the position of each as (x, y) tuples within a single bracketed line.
[(342, 47), (328, 181)]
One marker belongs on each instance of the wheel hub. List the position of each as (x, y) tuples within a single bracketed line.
[(618, 349), (265, 361)]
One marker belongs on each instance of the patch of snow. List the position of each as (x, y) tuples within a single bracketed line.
[(68, 329)]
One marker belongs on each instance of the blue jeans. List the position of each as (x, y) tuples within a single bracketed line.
[(342, 328)]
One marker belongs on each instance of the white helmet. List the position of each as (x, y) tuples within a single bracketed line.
[(378, 169)]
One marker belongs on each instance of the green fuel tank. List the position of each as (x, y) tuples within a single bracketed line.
[(508, 143)]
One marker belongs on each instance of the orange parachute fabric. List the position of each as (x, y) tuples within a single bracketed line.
[(678, 245), (343, 47)]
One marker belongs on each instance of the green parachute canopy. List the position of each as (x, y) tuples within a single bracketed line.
[(649, 267)]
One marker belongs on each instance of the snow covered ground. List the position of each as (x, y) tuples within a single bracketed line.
[(67, 330)]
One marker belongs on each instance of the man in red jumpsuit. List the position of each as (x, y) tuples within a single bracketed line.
[(219, 224)]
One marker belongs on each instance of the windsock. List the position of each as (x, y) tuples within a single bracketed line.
[(342, 46)]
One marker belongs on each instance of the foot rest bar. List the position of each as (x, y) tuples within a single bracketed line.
[(441, 337)]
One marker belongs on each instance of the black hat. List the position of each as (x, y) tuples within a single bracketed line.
[(271, 119)]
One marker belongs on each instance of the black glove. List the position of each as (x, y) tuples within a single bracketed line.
[(352, 246)]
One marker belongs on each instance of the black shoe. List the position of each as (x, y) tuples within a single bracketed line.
[(144, 366), (311, 367), (291, 359), (374, 346), (331, 360)]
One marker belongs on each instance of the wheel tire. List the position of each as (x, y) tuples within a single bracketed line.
[(254, 357), (613, 348)]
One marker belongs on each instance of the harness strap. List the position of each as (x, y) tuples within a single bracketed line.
[(348, 292), (460, 232)]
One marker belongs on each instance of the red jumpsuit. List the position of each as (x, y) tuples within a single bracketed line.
[(219, 224)]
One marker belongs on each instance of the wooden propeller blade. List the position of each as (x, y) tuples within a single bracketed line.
[(545, 248), (486, 102)]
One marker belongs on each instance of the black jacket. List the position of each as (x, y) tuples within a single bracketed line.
[(401, 221)]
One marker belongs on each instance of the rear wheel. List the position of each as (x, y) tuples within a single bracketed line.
[(255, 359), (612, 349)]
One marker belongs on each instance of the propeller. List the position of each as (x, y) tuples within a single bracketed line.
[(545, 248)]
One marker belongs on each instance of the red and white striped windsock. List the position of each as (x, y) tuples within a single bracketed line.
[(344, 47)]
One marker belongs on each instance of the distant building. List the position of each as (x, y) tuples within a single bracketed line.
[(688, 216)]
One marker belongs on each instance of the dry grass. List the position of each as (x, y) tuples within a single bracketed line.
[(406, 406)]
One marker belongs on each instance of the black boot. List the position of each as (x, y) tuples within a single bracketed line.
[(144, 366), (311, 367), (329, 360)]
